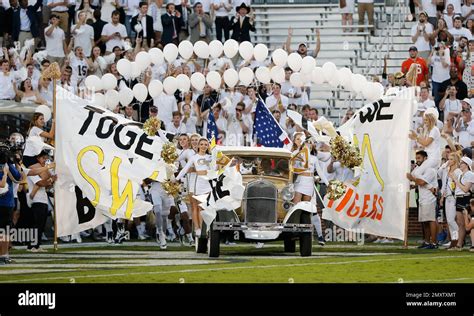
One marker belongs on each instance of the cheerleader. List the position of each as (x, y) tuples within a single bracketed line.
[(430, 140), (200, 162), (303, 165)]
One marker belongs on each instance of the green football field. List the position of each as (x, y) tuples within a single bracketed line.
[(144, 262)]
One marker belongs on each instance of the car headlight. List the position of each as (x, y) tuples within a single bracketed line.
[(288, 192)]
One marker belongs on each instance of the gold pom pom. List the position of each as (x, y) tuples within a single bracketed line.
[(52, 72), (347, 154), (152, 126), (336, 190), (168, 153), (172, 188)]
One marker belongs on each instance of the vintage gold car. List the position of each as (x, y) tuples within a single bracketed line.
[(267, 212)]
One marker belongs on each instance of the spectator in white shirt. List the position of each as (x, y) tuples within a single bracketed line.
[(83, 34), (429, 6), (166, 106), (176, 126), (420, 35), (114, 33), (189, 120), (440, 60), (467, 10), (464, 128), (456, 5), (451, 108), (238, 127), (449, 16), (55, 41), (7, 80), (222, 8), (277, 101), (458, 31)]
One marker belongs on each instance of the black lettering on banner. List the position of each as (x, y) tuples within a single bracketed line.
[(216, 186), (140, 151), (375, 113), (87, 122), (130, 134), (83, 203), (100, 127)]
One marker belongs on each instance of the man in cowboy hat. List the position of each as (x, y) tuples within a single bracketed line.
[(241, 24)]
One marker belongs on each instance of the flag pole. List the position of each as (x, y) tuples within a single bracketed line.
[(54, 72), (407, 212), (54, 205)]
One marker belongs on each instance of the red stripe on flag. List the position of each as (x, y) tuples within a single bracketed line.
[(344, 201)]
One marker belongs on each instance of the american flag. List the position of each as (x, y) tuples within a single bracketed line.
[(211, 127), (267, 130)]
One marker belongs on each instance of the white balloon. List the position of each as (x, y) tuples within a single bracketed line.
[(317, 75), (155, 88), (344, 76), (136, 71), (111, 99), (305, 77), (263, 74), (93, 83), (294, 61), (307, 64), (260, 52), (246, 76), (125, 96), (329, 71), (198, 81), (334, 83), (170, 85), (279, 57), (246, 50), (143, 60), (277, 74), (170, 52), (378, 90), (231, 77), (216, 48), (295, 80), (231, 47), (358, 82), (183, 83), (124, 67), (109, 82), (99, 100), (367, 91), (185, 49), (201, 49), (156, 55), (214, 79), (140, 92), (45, 110)]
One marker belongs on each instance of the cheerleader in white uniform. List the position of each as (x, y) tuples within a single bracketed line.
[(303, 165), (200, 162), (184, 155)]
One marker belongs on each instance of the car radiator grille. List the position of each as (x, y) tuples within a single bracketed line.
[(260, 202)]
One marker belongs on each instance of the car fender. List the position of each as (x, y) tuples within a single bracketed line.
[(225, 215), (305, 206)]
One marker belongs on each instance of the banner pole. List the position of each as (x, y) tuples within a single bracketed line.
[(54, 204), (407, 211)]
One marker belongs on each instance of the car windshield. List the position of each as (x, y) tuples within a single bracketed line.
[(275, 167)]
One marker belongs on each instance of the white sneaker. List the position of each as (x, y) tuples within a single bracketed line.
[(259, 245), (43, 237), (386, 241), (378, 241), (447, 244), (162, 241)]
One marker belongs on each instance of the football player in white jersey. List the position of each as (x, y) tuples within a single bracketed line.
[(80, 67)]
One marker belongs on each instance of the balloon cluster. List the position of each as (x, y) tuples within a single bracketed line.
[(151, 126), (336, 189), (304, 69), (348, 155)]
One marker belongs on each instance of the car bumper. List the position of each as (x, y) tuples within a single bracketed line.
[(263, 227)]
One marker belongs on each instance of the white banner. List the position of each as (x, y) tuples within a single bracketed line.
[(377, 202), (101, 160)]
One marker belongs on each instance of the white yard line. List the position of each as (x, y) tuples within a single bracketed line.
[(233, 268), (439, 280)]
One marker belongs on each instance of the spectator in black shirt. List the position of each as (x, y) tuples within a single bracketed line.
[(454, 81), (98, 25)]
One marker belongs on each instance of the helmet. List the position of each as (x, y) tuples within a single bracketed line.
[(17, 141)]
